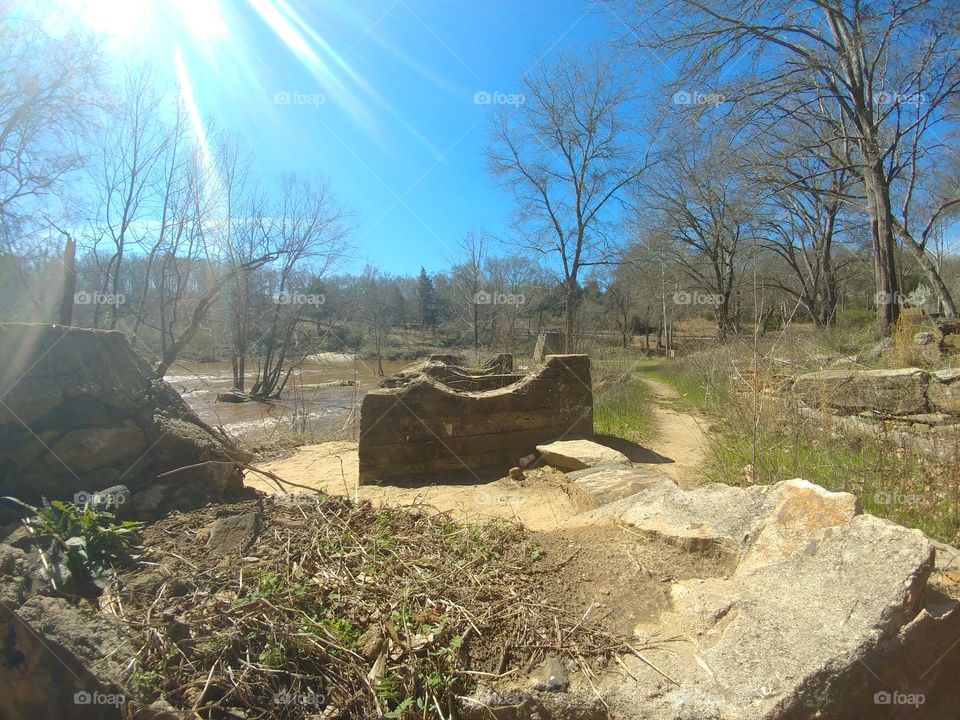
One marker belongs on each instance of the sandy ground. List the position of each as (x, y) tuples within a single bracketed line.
[(541, 501), (544, 500)]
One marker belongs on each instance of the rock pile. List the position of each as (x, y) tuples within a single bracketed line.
[(827, 613)]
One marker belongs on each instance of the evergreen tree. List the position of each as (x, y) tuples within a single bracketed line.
[(426, 300)]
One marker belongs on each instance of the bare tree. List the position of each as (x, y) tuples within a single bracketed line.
[(807, 219), (708, 207), (48, 91), (127, 181), (567, 155), (188, 266), (241, 236), (888, 69), (520, 283), (178, 195), (309, 232), (930, 200), (467, 277), (373, 305)]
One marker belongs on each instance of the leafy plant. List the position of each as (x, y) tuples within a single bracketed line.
[(90, 538), (272, 656)]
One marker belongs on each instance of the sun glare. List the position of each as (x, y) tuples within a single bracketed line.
[(202, 18), (126, 21), (119, 20)]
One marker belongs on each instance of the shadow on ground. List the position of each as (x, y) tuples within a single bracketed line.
[(635, 453)]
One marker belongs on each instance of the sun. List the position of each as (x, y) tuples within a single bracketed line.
[(118, 20), (202, 18), (129, 21)]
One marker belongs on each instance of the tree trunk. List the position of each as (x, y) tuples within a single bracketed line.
[(933, 275), (884, 245), (239, 366), (570, 297), (476, 326), (69, 286)]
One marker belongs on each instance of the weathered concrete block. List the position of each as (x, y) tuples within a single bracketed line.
[(81, 411), (549, 342), (891, 392), (579, 454), (944, 391), (825, 610), (233, 535), (609, 483), (423, 427)]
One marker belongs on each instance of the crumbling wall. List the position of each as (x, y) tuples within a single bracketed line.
[(901, 391), (422, 427), (917, 410), (896, 393), (452, 371)]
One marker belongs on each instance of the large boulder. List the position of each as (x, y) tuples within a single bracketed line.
[(80, 411), (825, 612), (902, 391)]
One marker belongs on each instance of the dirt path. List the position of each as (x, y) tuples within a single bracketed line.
[(680, 436)]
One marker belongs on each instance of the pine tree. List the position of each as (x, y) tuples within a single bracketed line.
[(426, 300)]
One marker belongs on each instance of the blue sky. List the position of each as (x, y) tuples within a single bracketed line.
[(378, 96)]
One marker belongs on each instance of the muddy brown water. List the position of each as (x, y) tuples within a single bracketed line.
[(306, 406)]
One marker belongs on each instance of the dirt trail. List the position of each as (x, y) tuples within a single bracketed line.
[(680, 436)]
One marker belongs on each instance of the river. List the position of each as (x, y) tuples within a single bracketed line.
[(308, 405)]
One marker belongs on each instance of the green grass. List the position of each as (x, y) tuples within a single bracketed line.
[(889, 483), (781, 444), (623, 411), (693, 392)]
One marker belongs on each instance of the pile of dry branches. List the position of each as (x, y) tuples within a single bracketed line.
[(342, 610)]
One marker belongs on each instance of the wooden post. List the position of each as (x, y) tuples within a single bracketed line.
[(69, 284)]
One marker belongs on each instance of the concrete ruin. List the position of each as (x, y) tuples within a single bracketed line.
[(918, 410), (442, 418), (816, 610), (81, 413), (549, 342)]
